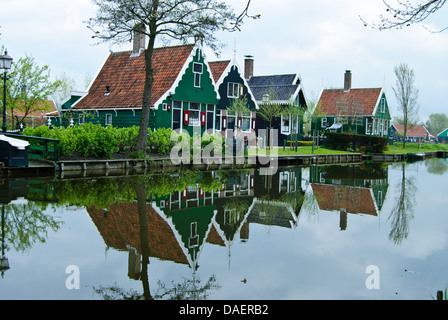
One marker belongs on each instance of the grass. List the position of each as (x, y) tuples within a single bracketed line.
[(397, 147)]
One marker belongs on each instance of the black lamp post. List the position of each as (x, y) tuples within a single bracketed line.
[(5, 65)]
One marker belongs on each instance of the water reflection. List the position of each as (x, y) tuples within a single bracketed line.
[(172, 217)]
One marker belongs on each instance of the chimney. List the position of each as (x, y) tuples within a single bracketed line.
[(347, 81), (248, 67), (139, 40)]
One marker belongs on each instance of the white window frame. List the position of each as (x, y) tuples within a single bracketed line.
[(197, 74), (233, 90), (81, 119), (284, 118), (383, 105), (248, 119), (323, 123), (108, 120), (193, 121), (233, 116), (218, 120)]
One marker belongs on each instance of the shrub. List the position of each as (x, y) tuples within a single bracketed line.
[(349, 141)]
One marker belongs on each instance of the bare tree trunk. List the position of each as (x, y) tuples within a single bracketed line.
[(146, 106)]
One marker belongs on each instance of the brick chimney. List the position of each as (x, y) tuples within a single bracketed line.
[(139, 41), (347, 81), (248, 67)]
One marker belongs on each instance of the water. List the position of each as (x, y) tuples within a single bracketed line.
[(329, 232)]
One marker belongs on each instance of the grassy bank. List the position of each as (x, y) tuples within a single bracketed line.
[(397, 148)]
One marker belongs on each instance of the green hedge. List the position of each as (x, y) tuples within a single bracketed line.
[(94, 140), (355, 142)]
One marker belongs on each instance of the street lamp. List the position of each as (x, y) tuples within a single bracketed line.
[(5, 64)]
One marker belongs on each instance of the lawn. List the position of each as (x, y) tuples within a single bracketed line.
[(397, 147)]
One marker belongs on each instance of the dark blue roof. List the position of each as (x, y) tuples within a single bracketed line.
[(280, 87)]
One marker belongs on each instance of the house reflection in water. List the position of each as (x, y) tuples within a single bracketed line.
[(350, 189), (181, 223)]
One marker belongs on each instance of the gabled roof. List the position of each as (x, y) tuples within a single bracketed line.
[(221, 69), (124, 78), (353, 199), (282, 88), (40, 110), (413, 131), (218, 68), (356, 101)]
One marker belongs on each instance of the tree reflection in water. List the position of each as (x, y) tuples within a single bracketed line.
[(403, 211)]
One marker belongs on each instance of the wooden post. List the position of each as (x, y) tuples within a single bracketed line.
[(440, 295)]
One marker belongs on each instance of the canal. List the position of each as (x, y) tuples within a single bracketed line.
[(368, 231)]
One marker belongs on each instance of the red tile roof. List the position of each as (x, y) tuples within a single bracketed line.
[(125, 77), (40, 110), (352, 199), (217, 68), (355, 101), (413, 131)]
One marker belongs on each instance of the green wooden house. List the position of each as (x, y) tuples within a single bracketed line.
[(183, 94), (443, 136), (231, 85), (360, 111)]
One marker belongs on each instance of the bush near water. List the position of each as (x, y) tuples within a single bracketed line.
[(93, 140)]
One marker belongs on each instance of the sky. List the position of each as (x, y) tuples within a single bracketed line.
[(318, 39)]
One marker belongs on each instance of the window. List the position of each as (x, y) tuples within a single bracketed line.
[(197, 71), (383, 105), (195, 114), (218, 120), (164, 106), (285, 124), (108, 119), (231, 118), (245, 125), (233, 90), (81, 119), (324, 123)]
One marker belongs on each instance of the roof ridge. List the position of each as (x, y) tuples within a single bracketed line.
[(157, 48)]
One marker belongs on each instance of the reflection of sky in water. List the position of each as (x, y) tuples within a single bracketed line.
[(314, 260)]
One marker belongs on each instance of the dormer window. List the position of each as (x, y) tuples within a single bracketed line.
[(197, 71), (107, 91)]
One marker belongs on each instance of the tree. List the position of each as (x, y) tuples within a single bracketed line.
[(404, 13), (268, 110), (407, 95), (240, 108), (437, 122), (169, 19), (29, 88)]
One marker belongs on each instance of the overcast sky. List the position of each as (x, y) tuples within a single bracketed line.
[(318, 39)]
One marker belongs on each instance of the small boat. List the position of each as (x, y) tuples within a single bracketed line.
[(415, 156)]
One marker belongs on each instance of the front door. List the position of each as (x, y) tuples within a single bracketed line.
[(177, 115), (210, 117)]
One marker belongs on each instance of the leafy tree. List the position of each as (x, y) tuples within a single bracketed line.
[(168, 19), (239, 107), (269, 109), (407, 95), (29, 88), (437, 122)]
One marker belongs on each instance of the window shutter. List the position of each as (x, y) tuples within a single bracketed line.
[(224, 122), (203, 117), (186, 117)]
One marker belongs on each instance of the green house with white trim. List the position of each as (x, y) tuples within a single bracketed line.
[(183, 95), (360, 111)]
